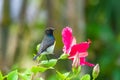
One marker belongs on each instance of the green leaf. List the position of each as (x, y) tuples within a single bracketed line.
[(49, 63), (77, 70), (66, 74), (85, 77), (40, 78), (36, 69), (64, 56), (26, 75), (63, 76), (1, 76), (38, 46), (13, 75)]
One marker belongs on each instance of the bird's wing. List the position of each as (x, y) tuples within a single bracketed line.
[(47, 42)]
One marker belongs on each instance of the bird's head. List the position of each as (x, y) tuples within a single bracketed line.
[(49, 31)]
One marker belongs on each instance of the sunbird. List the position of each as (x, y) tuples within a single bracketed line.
[(47, 44)]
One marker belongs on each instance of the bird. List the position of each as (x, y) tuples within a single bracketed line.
[(47, 43)]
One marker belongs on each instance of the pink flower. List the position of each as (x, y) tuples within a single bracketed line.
[(76, 52)]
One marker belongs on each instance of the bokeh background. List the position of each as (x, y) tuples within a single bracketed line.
[(22, 25)]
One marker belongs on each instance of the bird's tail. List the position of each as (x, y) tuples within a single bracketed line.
[(35, 57)]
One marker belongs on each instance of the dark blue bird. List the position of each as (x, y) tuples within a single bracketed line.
[(47, 42)]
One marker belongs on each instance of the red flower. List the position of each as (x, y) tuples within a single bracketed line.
[(77, 52)]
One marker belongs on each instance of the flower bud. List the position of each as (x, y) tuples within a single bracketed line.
[(96, 71)]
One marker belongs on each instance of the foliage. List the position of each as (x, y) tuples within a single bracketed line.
[(42, 67)]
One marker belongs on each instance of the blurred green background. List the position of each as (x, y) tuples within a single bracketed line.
[(22, 25)]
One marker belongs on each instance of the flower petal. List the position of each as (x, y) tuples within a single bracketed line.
[(89, 64), (83, 62), (79, 48), (67, 39), (83, 54)]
